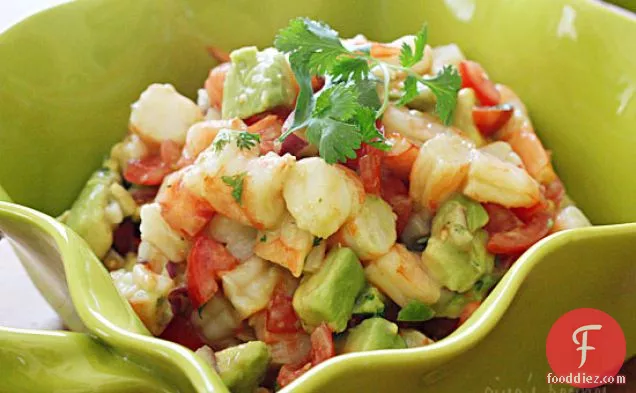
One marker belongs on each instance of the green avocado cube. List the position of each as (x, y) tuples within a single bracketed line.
[(369, 302), (243, 367), (463, 118), (372, 334), (87, 216), (256, 81), (329, 295)]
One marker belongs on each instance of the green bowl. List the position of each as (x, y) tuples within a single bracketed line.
[(69, 74)]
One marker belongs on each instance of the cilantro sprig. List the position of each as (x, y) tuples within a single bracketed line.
[(236, 182), (342, 116), (246, 140)]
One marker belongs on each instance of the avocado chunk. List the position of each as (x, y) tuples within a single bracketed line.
[(456, 252), (463, 118), (87, 216), (372, 334), (369, 302), (451, 304), (242, 368), (329, 295), (255, 82), (415, 311)]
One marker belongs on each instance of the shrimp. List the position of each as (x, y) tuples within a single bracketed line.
[(519, 133), (180, 208), (214, 84), (401, 275), (269, 128), (201, 135), (418, 127), (238, 183), (390, 53), (440, 169), (286, 245), (400, 159), (155, 230), (493, 180)]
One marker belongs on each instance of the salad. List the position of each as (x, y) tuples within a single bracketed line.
[(323, 196)]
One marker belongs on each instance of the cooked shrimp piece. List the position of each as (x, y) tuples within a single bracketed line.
[(446, 55), (155, 230), (269, 128), (161, 114), (508, 96), (504, 152), (321, 197), (570, 217), (214, 84), (286, 245), (400, 159), (184, 211), (493, 180), (201, 135), (418, 127), (519, 133), (239, 239), (440, 169), (390, 53), (371, 233), (217, 320), (401, 275), (147, 293), (238, 183), (250, 285)]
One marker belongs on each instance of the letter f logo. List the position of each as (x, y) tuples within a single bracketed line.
[(584, 347)]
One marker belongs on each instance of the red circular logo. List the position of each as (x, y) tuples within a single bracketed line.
[(584, 347)]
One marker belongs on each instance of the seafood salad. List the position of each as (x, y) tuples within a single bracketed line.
[(323, 196)]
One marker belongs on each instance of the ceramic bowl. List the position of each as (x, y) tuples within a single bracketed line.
[(69, 74)]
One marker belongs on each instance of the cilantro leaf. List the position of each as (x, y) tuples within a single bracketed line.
[(350, 68), (365, 119), (221, 141), (368, 94), (305, 99), (409, 92), (246, 140), (236, 182), (340, 102), (409, 56), (336, 140), (445, 86)]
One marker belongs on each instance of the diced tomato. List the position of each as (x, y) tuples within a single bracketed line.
[(468, 310), (183, 210), (526, 213), (289, 373), (148, 171), (281, 317), (489, 119), (170, 152), (126, 237), (143, 195), (500, 219), (206, 260), (282, 112), (474, 76), (521, 238), (370, 167), (396, 194), (322, 347), (181, 331)]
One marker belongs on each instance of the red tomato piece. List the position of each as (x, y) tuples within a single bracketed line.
[(396, 194), (282, 112), (317, 83), (181, 331), (521, 238), (500, 219), (370, 167), (474, 76), (281, 317), (322, 347), (526, 213), (206, 260), (148, 171), (489, 119), (144, 195), (555, 191), (289, 373)]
